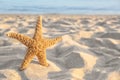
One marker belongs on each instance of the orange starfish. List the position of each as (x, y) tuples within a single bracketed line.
[(36, 45)]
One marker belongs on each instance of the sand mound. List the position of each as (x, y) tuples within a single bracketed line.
[(114, 76)]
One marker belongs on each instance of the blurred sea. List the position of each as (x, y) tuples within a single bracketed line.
[(60, 6)]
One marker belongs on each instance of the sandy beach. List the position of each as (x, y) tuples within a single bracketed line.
[(90, 49)]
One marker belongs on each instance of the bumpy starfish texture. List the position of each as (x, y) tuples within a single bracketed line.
[(36, 45)]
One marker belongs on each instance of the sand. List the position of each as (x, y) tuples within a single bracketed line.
[(90, 49)]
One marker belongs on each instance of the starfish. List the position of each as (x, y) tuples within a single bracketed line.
[(36, 46)]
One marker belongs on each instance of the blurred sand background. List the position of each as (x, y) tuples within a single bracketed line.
[(90, 49)]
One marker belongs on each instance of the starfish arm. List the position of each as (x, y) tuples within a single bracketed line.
[(38, 30), (50, 42), (22, 38), (42, 58), (29, 56)]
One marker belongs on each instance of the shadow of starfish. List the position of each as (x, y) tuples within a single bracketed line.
[(36, 45)]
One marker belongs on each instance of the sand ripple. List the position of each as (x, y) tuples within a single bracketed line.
[(90, 49)]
